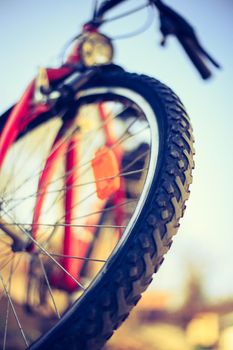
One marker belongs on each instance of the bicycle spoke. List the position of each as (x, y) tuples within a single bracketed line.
[(109, 209), (6, 325), (6, 261), (19, 224), (77, 257), (49, 287), (19, 155), (14, 311), (8, 305), (14, 269), (46, 253)]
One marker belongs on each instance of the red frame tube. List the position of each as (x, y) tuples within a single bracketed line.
[(57, 150)]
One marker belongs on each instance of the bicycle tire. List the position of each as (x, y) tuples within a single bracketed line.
[(101, 310), (118, 287)]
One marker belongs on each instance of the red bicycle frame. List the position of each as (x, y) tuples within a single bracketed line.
[(23, 113)]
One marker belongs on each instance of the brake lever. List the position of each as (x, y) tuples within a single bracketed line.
[(172, 23)]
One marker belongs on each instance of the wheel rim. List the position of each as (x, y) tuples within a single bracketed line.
[(127, 102)]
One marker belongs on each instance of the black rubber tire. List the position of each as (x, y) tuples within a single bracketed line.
[(102, 308)]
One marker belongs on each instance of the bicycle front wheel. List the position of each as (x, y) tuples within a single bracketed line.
[(126, 151)]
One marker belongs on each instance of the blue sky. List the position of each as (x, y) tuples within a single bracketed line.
[(34, 32)]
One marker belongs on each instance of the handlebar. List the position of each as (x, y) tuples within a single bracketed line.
[(171, 23)]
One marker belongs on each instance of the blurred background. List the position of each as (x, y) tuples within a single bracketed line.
[(190, 302)]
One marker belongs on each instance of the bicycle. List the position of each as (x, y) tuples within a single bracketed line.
[(90, 216)]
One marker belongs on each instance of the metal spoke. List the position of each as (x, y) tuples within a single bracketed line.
[(108, 209), (6, 261), (13, 309), (19, 224), (6, 325), (16, 265), (20, 152), (8, 306), (77, 257), (46, 253), (49, 287)]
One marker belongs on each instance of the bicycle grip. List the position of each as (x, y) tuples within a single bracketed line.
[(194, 54)]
